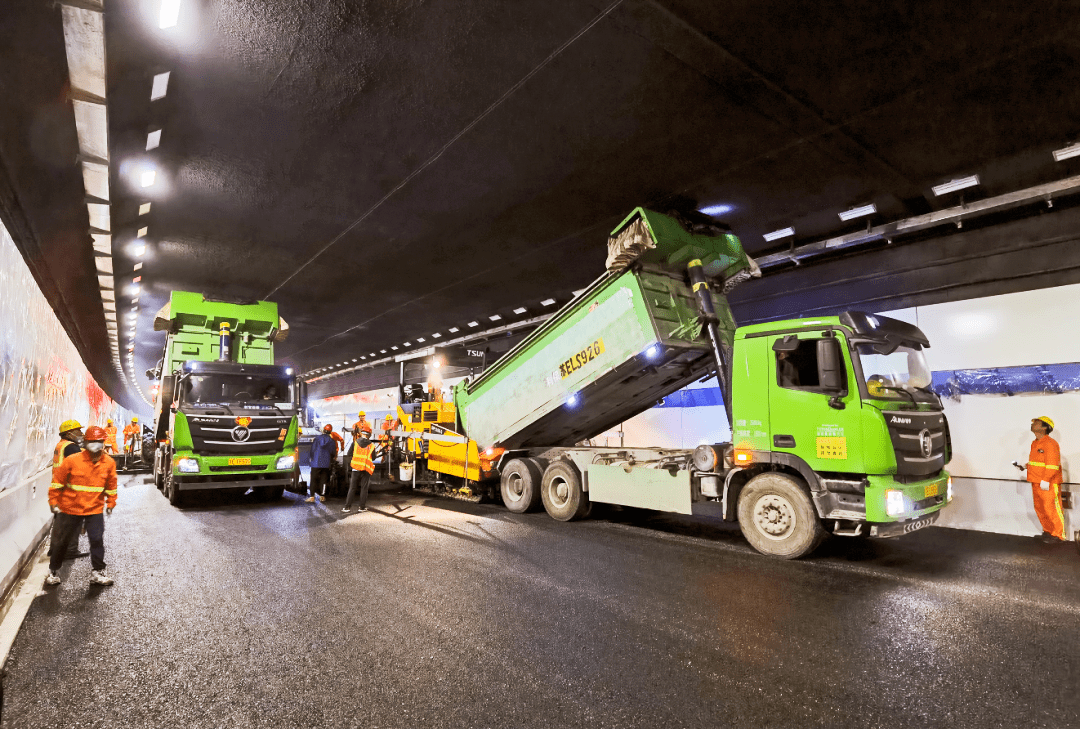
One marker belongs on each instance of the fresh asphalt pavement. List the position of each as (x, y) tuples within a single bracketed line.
[(426, 612)]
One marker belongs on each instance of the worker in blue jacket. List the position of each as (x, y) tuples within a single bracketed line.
[(323, 454)]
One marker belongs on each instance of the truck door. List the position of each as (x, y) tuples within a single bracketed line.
[(814, 411)]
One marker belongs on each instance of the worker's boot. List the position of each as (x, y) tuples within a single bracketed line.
[(98, 577), (53, 578)]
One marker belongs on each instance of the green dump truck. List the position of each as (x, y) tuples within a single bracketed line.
[(226, 416), (834, 427)]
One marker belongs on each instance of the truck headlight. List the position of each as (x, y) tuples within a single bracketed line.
[(949, 491), (187, 465), (894, 502), (285, 463)]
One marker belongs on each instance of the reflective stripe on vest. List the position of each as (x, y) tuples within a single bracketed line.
[(92, 489), (58, 453), (361, 459)]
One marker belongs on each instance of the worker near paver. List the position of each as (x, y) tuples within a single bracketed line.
[(131, 432), (363, 465), (84, 485), (361, 424), (1044, 475), (110, 437), (323, 452), (336, 436)]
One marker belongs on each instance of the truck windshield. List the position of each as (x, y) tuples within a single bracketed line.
[(904, 367), (239, 389)]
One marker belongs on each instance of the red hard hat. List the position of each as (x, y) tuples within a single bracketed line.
[(327, 428), (94, 433)]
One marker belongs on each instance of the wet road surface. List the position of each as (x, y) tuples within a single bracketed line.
[(426, 612)]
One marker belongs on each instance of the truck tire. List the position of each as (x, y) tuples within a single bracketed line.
[(520, 485), (564, 498), (777, 516), (159, 469), (172, 490)]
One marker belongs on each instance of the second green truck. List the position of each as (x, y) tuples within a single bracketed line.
[(833, 426)]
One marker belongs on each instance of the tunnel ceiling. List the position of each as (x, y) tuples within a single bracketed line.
[(391, 170)]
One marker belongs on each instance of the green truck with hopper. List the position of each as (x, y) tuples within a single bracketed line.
[(226, 416), (834, 429)]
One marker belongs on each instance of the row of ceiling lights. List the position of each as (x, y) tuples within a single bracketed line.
[(494, 319), (145, 177), (945, 188)]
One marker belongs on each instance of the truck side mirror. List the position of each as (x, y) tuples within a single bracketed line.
[(788, 344), (832, 374)]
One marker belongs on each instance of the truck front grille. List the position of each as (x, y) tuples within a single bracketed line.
[(919, 441)]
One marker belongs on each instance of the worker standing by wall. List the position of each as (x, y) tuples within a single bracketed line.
[(83, 486), (323, 453), (1044, 475), (71, 437), (363, 465), (110, 438)]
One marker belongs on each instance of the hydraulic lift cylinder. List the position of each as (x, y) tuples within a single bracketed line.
[(700, 285)]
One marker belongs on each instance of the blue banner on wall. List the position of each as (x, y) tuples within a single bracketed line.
[(1055, 378)]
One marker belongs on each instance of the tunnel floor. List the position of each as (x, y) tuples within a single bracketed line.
[(425, 612)]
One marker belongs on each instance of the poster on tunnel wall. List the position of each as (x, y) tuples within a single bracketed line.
[(43, 380)]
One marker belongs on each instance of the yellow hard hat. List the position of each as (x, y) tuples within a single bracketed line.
[(108, 421), (1046, 419), (362, 414), (389, 416), (134, 420), (69, 425)]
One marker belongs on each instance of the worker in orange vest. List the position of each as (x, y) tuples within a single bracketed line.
[(1044, 475), (361, 424), (131, 432), (363, 465), (71, 437), (83, 486), (336, 436), (110, 437)]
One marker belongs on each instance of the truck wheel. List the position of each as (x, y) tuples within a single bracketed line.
[(777, 517), (159, 471), (520, 485), (172, 490), (561, 491)]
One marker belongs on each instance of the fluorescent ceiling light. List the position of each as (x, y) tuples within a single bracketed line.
[(495, 317), (363, 356), (144, 208), (454, 330), (579, 292), (373, 354), (139, 250), (960, 184), (394, 348), (474, 323), (161, 85), (142, 232), (354, 360), (138, 265), (520, 310), (782, 233), (406, 344), (170, 13), (153, 139), (1067, 153), (547, 302), (716, 209), (436, 335), (146, 179), (420, 339), (859, 212)]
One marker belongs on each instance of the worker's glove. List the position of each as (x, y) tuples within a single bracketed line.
[(108, 512), (1044, 485), (55, 509)]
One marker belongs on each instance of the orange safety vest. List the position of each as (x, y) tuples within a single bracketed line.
[(360, 425), (81, 487), (110, 436), (58, 451), (362, 460), (1044, 461), (130, 432), (338, 438)]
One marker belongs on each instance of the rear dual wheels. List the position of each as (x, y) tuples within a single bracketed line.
[(520, 485), (777, 516), (561, 491)]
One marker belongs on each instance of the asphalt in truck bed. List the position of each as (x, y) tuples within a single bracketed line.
[(426, 612)]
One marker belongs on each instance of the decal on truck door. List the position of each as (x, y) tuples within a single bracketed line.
[(831, 442)]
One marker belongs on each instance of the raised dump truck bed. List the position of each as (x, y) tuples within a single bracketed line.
[(629, 339)]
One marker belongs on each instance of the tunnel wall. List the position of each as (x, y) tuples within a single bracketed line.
[(43, 382)]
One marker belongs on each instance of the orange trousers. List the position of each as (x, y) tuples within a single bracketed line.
[(1048, 507)]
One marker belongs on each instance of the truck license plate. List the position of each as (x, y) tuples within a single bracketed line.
[(932, 490), (239, 461)]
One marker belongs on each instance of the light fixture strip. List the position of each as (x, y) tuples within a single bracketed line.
[(859, 212), (777, 234), (956, 185)]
